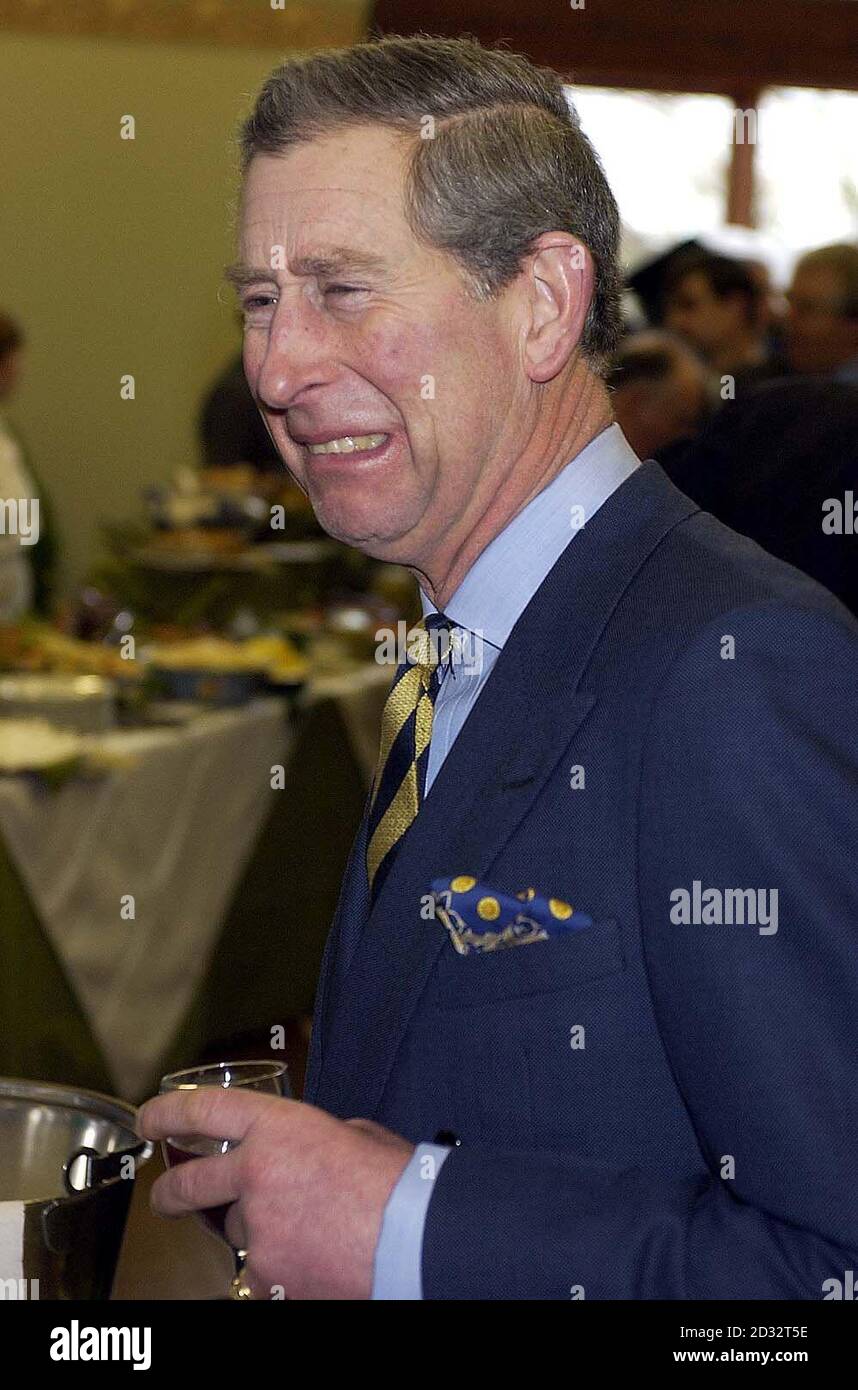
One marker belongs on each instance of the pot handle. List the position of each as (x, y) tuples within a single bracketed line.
[(99, 1168)]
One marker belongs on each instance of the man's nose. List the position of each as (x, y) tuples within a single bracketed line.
[(298, 355)]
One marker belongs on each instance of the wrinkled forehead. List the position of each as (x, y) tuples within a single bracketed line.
[(342, 189)]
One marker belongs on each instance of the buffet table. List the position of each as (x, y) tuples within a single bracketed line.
[(177, 899), (130, 873)]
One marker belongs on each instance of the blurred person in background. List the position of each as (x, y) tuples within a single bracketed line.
[(230, 426), (775, 464), (658, 388), (720, 307), (822, 324), (26, 569), (237, 453)]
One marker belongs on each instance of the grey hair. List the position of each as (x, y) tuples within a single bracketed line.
[(507, 159)]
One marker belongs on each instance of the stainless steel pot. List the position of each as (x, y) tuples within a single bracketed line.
[(68, 1157)]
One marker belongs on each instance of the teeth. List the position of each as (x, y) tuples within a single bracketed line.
[(348, 444)]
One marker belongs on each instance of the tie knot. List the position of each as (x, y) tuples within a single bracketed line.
[(429, 642)]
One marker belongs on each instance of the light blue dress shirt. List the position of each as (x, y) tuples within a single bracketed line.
[(485, 608)]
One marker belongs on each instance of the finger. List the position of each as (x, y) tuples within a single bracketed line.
[(234, 1228), (217, 1111), (193, 1186)]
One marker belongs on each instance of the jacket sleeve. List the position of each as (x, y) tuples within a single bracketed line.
[(749, 781)]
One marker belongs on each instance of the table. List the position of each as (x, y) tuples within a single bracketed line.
[(130, 873), (179, 901)]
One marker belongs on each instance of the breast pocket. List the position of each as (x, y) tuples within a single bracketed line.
[(517, 972), (505, 1016)]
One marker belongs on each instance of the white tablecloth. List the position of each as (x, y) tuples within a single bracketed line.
[(173, 829)]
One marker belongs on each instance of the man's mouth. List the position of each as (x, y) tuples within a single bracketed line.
[(347, 444)]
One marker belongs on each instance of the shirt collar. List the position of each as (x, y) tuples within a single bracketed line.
[(507, 573)]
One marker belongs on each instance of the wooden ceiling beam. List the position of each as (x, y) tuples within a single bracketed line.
[(674, 45), (291, 25)]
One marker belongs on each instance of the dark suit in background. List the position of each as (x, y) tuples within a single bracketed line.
[(767, 463)]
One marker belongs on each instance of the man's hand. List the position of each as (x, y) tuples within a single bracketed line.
[(309, 1190)]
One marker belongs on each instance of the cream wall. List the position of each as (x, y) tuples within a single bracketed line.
[(111, 253)]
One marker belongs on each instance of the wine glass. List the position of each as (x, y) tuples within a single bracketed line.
[(269, 1077)]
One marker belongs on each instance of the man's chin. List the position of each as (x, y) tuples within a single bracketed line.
[(380, 537), (369, 543)]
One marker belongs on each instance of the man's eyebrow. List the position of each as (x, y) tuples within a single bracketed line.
[(336, 261), (238, 274)]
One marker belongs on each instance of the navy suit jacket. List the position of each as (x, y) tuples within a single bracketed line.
[(702, 1142)]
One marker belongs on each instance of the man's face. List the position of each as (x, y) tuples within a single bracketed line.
[(696, 314), (819, 337), (364, 333)]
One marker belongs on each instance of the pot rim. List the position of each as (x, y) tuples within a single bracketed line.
[(105, 1107)]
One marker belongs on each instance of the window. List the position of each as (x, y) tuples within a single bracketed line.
[(807, 166), (666, 156)]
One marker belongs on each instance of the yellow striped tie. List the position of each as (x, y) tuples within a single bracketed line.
[(406, 728)]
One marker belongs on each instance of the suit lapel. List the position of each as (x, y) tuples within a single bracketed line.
[(454, 833), (519, 728)]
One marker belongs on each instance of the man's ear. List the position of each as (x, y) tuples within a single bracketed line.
[(558, 278)]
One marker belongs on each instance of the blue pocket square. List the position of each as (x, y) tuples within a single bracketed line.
[(479, 918)]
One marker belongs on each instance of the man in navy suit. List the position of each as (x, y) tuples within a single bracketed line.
[(659, 732)]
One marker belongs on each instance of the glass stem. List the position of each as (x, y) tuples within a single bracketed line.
[(238, 1288)]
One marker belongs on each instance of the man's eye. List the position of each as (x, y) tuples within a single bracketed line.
[(343, 289), (258, 301)]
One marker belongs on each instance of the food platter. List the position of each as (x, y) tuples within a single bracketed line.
[(174, 560)]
